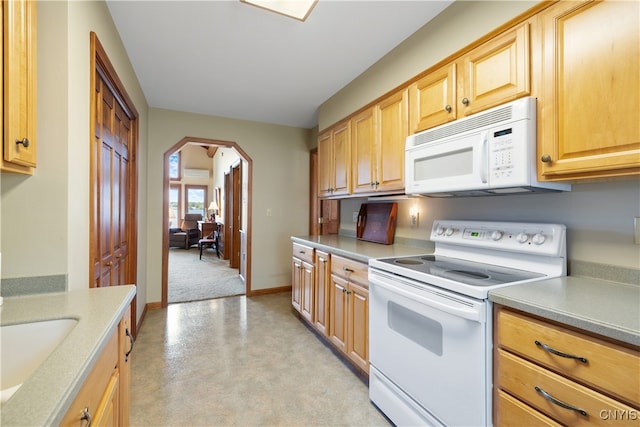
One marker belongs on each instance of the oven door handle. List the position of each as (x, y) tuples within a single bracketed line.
[(471, 313)]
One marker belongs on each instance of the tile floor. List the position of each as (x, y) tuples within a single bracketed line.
[(241, 362)]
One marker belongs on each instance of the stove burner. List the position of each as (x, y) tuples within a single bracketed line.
[(469, 274), (408, 261)]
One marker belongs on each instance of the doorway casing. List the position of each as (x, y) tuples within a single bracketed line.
[(165, 207)]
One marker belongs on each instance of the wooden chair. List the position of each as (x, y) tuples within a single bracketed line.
[(210, 240)]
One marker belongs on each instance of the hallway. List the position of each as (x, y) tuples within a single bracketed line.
[(244, 362)]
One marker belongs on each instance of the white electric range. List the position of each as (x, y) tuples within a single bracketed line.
[(430, 329)]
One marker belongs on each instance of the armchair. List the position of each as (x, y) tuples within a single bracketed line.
[(188, 234)]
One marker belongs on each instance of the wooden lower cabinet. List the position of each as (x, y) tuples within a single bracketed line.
[(338, 300), (103, 399), (302, 280), (547, 374), (321, 291), (349, 310)]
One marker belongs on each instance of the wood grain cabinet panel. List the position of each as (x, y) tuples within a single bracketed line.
[(322, 292), (302, 280), (543, 370), (332, 295), (590, 116), (19, 86), (334, 157), (349, 312), (491, 74)]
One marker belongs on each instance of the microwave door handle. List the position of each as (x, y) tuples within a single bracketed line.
[(483, 164)]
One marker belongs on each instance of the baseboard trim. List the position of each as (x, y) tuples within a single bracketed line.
[(153, 306), (257, 292)]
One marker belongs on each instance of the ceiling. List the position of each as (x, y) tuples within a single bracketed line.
[(230, 59)]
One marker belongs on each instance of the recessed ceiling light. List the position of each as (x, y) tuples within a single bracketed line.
[(297, 9)]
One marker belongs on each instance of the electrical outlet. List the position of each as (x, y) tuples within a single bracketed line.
[(355, 217), (636, 232)]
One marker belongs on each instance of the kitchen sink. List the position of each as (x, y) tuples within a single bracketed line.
[(24, 347)]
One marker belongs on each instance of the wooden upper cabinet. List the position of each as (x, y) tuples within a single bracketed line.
[(378, 137), (493, 73), (496, 71), (341, 158), (589, 124), (19, 86), (432, 99), (324, 164), (392, 114), (364, 143), (334, 169)]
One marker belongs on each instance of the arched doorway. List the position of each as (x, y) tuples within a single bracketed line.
[(246, 223)]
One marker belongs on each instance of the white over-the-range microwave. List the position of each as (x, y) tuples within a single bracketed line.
[(488, 153)]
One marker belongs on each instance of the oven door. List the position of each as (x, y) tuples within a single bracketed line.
[(432, 346), (455, 164)]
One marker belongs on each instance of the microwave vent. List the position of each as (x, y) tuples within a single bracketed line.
[(463, 125)]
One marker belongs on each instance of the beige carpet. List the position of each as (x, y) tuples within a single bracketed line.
[(192, 279)]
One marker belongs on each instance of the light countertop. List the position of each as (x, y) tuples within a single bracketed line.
[(602, 307), (358, 249), (45, 396)]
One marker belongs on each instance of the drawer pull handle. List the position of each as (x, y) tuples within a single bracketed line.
[(86, 416), (559, 353), (348, 270), (126, 356), (560, 403)]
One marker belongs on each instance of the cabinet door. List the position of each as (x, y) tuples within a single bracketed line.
[(322, 292), (296, 283), (107, 413), (341, 136), (358, 325), (590, 124), (394, 128), (495, 72), (363, 151), (338, 313), (432, 99), (19, 92), (306, 290), (325, 174)]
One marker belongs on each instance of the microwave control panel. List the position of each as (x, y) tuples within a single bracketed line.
[(508, 154)]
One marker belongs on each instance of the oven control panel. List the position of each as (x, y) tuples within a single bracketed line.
[(534, 238)]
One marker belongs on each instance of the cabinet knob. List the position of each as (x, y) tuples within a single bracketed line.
[(108, 264), (545, 158), (465, 101), (448, 108), (24, 141)]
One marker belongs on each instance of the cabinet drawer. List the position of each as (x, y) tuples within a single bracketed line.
[(351, 270), (512, 413), (96, 387), (520, 378), (609, 367), (305, 253)]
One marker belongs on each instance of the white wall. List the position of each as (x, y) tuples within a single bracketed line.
[(51, 208), (280, 182)]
